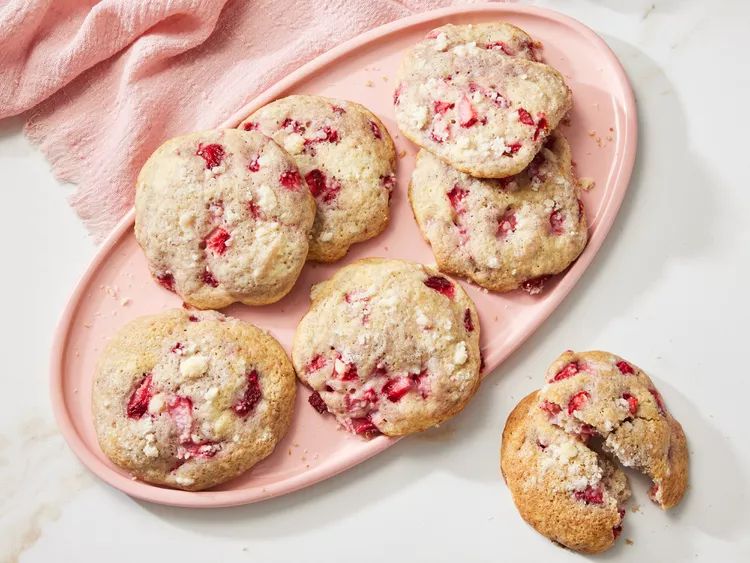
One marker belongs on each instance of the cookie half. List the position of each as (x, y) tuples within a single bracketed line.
[(502, 234), (348, 160), (600, 394), (566, 491), (389, 346), (223, 216), (476, 97), (190, 399)]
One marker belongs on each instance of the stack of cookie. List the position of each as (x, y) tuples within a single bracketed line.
[(493, 190), (561, 445)]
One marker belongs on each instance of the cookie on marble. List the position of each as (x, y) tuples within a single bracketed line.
[(348, 160), (223, 216), (389, 347), (477, 98), (563, 489), (190, 399), (502, 233), (600, 394)]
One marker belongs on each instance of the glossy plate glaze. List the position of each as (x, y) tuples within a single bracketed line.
[(117, 286)]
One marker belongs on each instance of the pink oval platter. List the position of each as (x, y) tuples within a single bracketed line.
[(117, 286)]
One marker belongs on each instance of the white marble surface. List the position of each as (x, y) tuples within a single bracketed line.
[(668, 289)]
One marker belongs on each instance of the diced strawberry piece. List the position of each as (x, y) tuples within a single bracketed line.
[(512, 148), (506, 224), (396, 388), (364, 426), (468, 323), (467, 115), (253, 209), (177, 347), (442, 107), (500, 46), (190, 449), (166, 280), (557, 222), (569, 370), (317, 402), (632, 402), (388, 182), (180, 410), (525, 117), (292, 124), (652, 491), (138, 402), (625, 368), (318, 361), (375, 130), (551, 409), (193, 319), (316, 181), (251, 397), (338, 109), (209, 279), (254, 165), (590, 495), (578, 401), (456, 197), (541, 125), (350, 373), (250, 126), (441, 285), (213, 154), (587, 431), (534, 285), (217, 240), (658, 399), (290, 179)]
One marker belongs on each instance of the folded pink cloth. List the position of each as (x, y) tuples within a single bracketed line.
[(108, 81)]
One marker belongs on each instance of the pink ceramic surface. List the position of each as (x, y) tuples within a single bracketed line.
[(117, 286)]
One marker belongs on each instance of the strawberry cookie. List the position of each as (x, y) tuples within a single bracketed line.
[(190, 399), (348, 160), (600, 394), (223, 216), (502, 233), (388, 347), (476, 97), (565, 490)]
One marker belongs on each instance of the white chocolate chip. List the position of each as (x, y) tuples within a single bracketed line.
[(211, 393), (184, 481), (150, 450), (294, 143), (460, 355), (156, 404), (325, 236), (441, 41), (193, 366)]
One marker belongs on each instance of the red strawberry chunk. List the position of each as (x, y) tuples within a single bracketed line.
[(512, 148), (350, 373), (551, 409), (193, 319), (441, 285), (217, 240), (632, 402), (500, 46), (253, 209), (317, 362), (578, 401), (569, 370), (250, 126), (338, 109), (590, 495), (534, 285), (658, 399), (138, 402), (456, 197), (213, 154), (442, 107), (525, 117), (166, 280), (587, 431), (180, 410), (292, 124), (251, 397), (375, 130), (364, 426), (397, 387), (176, 348), (467, 115), (625, 368), (557, 222), (317, 402), (468, 323), (541, 125), (209, 279), (290, 179), (397, 94), (316, 181), (506, 224), (254, 165), (389, 182), (192, 449)]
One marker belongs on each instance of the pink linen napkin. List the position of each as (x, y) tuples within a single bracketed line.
[(107, 81)]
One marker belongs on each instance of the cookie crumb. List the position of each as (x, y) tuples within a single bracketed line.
[(628, 541), (369, 83), (587, 183)]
